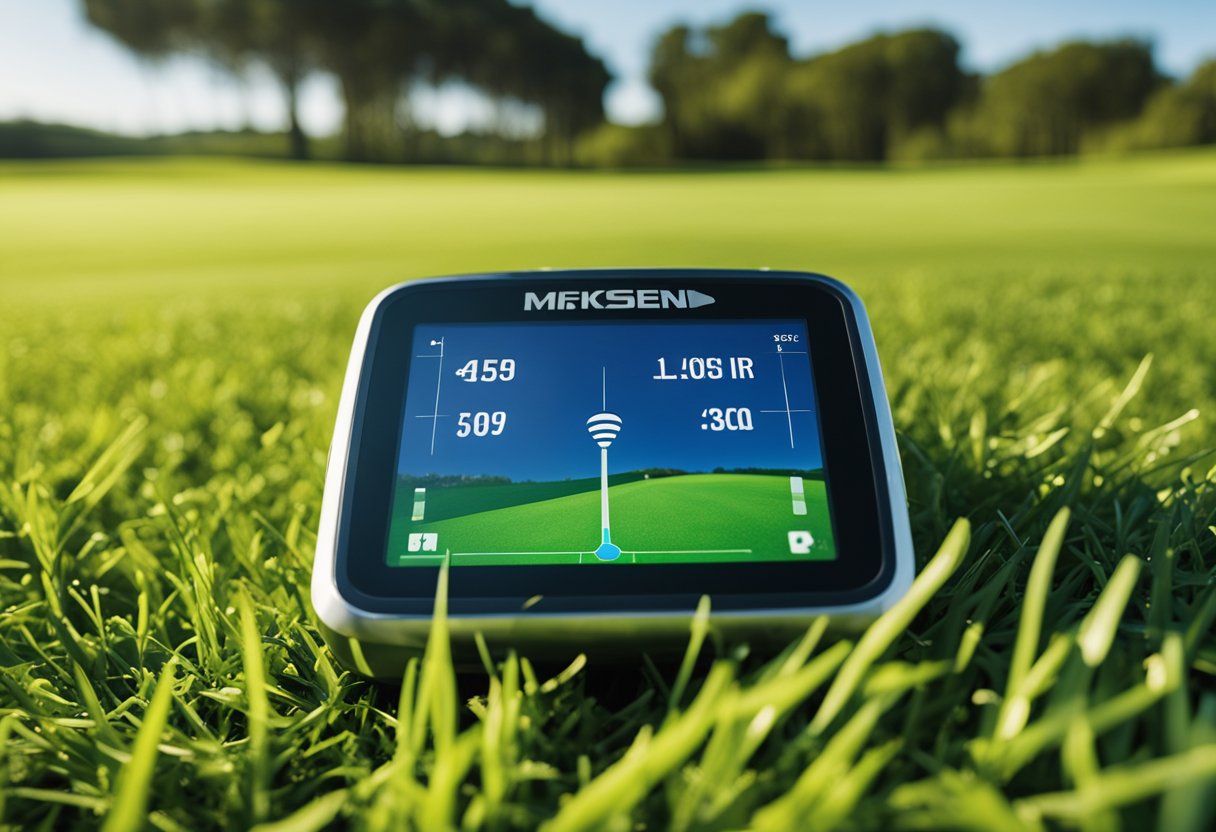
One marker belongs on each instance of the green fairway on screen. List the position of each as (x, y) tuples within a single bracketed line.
[(610, 443)]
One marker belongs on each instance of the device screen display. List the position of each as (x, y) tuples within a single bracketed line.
[(610, 443)]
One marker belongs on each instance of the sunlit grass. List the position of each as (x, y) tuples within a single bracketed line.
[(172, 337)]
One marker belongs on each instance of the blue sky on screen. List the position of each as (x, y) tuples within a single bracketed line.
[(54, 67), (564, 373)]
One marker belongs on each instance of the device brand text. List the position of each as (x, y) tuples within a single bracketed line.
[(569, 300)]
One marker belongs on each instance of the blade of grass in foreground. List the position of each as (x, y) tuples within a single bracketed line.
[(824, 772), (311, 816), (716, 781), (435, 704), (623, 784), (129, 809), (1120, 785), (1192, 807), (259, 709), (838, 804), (1164, 672), (1016, 708), (6, 728), (892, 624), (1098, 629), (700, 626)]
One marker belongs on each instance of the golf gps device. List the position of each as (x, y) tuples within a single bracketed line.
[(591, 452)]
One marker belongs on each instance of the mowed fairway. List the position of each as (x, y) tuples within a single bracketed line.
[(173, 335), (687, 519), (165, 227)]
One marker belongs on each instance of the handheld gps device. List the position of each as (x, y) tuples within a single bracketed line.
[(591, 452)]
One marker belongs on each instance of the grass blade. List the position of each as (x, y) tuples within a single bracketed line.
[(883, 632), (130, 806), (624, 783), (1016, 709), (259, 710)]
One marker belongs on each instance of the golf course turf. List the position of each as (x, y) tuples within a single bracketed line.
[(173, 335)]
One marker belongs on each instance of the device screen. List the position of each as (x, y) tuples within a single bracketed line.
[(610, 443)]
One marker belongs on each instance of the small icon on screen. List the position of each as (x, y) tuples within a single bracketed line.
[(798, 494), (801, 543), (424, 542)]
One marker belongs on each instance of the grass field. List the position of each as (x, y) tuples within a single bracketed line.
[(693, 518), (456, 500), (173, 337)]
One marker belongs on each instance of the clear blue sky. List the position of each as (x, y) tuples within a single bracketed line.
[(53, 66)]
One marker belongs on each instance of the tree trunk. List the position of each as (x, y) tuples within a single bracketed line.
[(296, 137), (352, 121)]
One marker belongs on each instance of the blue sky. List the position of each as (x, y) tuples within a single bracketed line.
[(564, 374), (53, 66)]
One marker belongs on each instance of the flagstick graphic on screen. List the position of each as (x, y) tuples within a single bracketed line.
[(604, 427)]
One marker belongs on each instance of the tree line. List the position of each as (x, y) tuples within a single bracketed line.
[(736, 92), (733, 91), (379, 51)]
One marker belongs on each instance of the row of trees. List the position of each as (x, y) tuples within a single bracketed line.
[(735, 91), (380, 51)]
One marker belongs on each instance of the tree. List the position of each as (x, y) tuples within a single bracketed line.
[(856, 103), (150, 28), (1180, 114), (512, 55), (375, 48), (1043, 105), (231, 32), (839, 99), (720, 86), (672, 73), (379, 50), (745, 62), (741, 40), (573, 96), (734, 91), (273, 32), (924, 78)]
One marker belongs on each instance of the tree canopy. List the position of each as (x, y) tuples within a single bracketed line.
[(730, 91), (378, 51), (1043, 105), (735, 91)]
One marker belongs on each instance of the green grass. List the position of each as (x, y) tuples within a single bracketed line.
[(173, 337), (447, 499), (695, 518)]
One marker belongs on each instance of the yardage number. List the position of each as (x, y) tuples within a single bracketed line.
[(487, 369), (731, 418), (481, 423)]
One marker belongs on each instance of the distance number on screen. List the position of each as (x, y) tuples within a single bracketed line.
[(487, 370), (728, 418), (481, 423)]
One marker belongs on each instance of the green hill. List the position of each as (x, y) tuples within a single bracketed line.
[(696, 518)]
